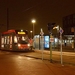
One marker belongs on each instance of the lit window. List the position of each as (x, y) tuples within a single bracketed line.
[(15, 39)]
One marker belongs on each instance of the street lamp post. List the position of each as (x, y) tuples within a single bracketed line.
[(33, 21)]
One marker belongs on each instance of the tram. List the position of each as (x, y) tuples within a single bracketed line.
[(15, 40)]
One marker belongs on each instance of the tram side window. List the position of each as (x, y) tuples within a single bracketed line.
[(5, 40), (2, 40), (15, 39), (10, 39)]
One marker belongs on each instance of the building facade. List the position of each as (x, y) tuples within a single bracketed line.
[(69, 24), (69, 27)]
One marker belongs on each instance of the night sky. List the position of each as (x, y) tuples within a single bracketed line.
[(21, 12)]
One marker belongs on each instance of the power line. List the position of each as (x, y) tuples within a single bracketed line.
[(35, 5)]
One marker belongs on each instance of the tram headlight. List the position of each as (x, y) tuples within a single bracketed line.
[(28, 44), (19, 45)]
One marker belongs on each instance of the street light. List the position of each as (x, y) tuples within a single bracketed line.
[(33, 21), (31, 33)]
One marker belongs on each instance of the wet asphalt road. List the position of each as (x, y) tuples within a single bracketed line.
[(17, 64), (14, 64)]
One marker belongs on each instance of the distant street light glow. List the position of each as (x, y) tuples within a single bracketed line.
[(21, 30), (31, 31)]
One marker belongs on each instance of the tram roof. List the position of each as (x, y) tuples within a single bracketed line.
[(14, 31)]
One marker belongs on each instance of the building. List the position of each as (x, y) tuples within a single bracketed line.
[(68, 24), (69, 27)]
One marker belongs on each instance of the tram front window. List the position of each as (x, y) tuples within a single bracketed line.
[(23, 44)]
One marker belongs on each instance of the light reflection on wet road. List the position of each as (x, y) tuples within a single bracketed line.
[(12, 64)]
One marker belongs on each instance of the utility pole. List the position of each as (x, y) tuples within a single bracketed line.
[(7, 10), (42, 34), (74, 38), (50, 27), (7, 19), (50, 48), (61, 31)]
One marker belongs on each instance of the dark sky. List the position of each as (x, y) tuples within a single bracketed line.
[(21, 12)]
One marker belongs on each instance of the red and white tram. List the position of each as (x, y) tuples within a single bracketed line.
[(15, 40)]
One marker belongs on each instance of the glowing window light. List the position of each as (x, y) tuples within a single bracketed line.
[(2, 46), (15, 39), (56, 40)]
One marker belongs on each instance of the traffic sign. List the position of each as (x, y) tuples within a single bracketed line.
[(61, 30), (41, 33), (51, 39)]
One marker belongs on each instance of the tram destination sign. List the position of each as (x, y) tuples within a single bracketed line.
[(21, 33)]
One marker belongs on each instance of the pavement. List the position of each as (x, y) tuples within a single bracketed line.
[(55, 67), (67, 58), (43, 66)]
